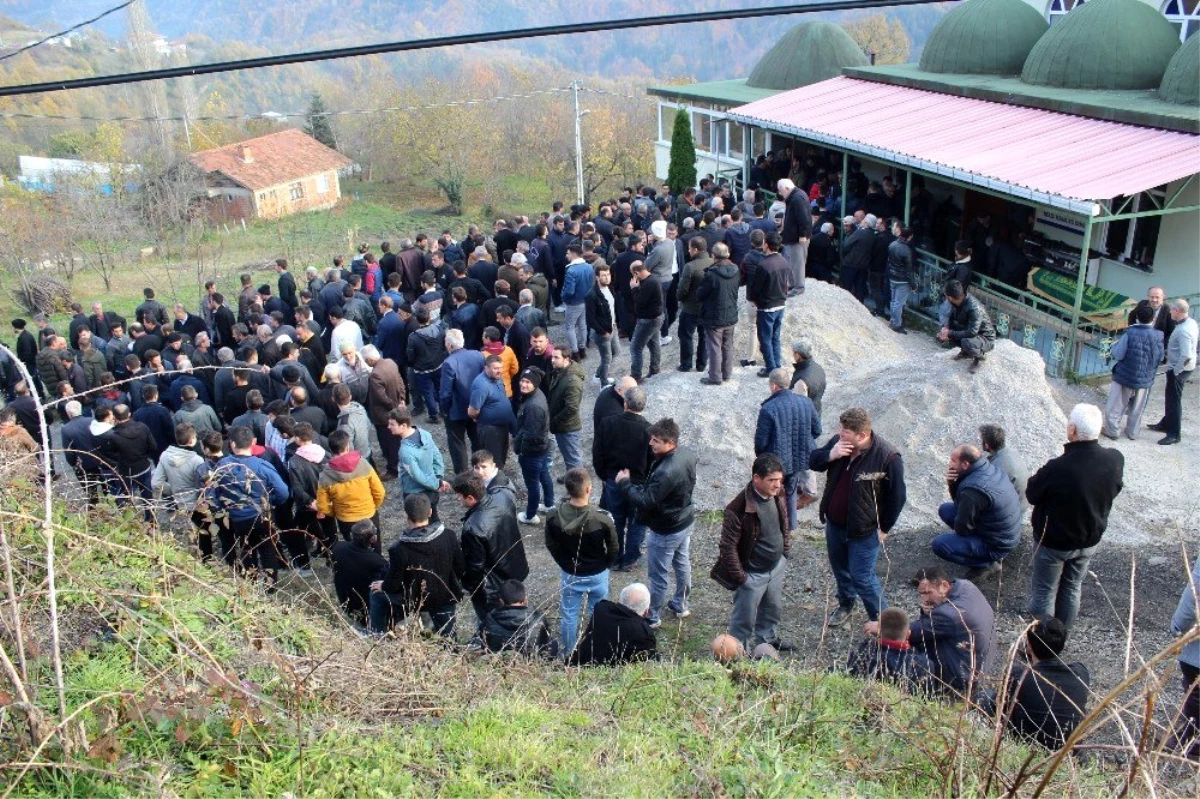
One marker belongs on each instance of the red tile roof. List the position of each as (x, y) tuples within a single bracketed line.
[(276, 158)]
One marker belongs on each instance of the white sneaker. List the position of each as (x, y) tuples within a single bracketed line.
[(664, 340), (545, 508), (523, 519), (560, 309)]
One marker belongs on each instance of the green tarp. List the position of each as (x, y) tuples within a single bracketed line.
[(1106, 308)]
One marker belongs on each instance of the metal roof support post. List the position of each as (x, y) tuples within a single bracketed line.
[(845, 171), (907, 195), (747, 158), (1080, 284)]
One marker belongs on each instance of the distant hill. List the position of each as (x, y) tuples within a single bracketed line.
[(703, 51)]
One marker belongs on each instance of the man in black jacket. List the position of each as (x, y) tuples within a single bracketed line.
[(797, 229), (356, 565), (1046, 699), (856, 256), (493, 550), (424, 574), (129, 448), (1071, 497), (622, 441), (618, 632), (287, 286), (769, 291), (647, 292), (969, 326), (864, 494), (664, 504), (718, 295), (583, 542)]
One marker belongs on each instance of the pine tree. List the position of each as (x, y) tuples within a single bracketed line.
[(317, 122), (682, 172)]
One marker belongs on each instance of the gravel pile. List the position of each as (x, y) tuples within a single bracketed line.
[(926, 404), (920, 399)]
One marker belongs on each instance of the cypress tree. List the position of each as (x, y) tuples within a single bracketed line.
[(317, 122), (682, 172)]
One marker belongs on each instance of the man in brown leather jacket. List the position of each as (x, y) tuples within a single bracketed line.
[(753, 555)]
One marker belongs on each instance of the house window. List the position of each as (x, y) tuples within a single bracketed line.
[(1060, 8), (296, 191), (1135, 240), (702, 131), (322, 184), (1184, 15), (666, 121), (262, 196)]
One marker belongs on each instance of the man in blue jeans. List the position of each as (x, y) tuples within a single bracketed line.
[(664, 504), (864, 494), (621, 442), (984, 514), (1071, 496), (769, 292), (647, 293), (583, 542)]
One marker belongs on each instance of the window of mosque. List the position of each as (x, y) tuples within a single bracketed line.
[(1184, 15), (1059, 9)]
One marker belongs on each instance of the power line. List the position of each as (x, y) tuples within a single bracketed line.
[(448, 41), (272, 114), (71, 29)]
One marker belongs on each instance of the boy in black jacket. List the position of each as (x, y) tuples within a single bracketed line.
[(515, 627), (583, 542), (424, 574), (890, 656), (601, 313)]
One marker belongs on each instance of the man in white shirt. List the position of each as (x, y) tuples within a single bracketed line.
[(345, 331)]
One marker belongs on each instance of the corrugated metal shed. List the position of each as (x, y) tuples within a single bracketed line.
[(1042, 156)]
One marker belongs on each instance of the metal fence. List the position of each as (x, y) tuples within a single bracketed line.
[(1023, 318)]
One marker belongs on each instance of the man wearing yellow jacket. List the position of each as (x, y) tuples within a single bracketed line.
[(348, 489)]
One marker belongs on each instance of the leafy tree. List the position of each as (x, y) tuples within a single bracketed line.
[(682, 172), (882, 35), (317, 122)]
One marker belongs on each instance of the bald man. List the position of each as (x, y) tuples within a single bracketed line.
[(984, 514)]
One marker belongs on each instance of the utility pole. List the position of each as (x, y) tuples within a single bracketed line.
[(578, 145)]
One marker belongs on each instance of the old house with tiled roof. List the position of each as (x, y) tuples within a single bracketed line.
[(271, 176)]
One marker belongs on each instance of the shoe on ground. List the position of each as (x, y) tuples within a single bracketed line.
[(626, 567), (679, 613), (664, 340), (783, 645), (901, 330), (582, 355), (1157, 427), (434, 419), (960, 355), (1168, 440), (388, 477), (652, 373), (710, 382), (654, 625), (1108, 435), (545, 508), (749, 362), (840, 617), (523, 519), (975, 364), (560, 309), (764, 372), (984, 572), (683, 368)]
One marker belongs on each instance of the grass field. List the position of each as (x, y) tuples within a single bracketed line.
[(181, 681)]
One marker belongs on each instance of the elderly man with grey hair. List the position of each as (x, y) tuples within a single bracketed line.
[(459, 371), (806, 369), (1071, 497), (797, 230), (618, 631), (1181, 362), (787, 426)]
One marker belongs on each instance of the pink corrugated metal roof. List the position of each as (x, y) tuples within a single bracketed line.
[(1042, 151)]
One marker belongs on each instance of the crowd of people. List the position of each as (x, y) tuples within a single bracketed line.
[(278, 419)]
